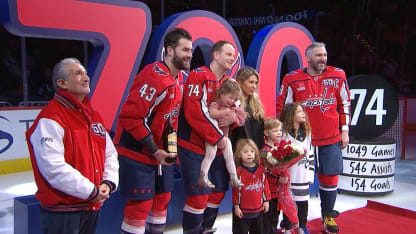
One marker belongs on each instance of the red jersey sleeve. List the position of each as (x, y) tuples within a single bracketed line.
[(285, 94), (236, 192), (147, 91), (344, 101), (199, 91), (235, 196), (266, 190)]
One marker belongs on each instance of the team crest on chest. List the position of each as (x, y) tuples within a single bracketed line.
[(173, 114), (323, 102), (255, 187)]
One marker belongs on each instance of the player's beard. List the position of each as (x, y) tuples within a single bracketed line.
[(180, 63), (318, 67)]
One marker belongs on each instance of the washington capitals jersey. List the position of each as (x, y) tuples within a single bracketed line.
[(195, 124), (255, 191), (154, 99), (326, 99)]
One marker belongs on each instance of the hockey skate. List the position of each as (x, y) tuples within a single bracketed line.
[(203, 181), (235, 182), (330, 226)]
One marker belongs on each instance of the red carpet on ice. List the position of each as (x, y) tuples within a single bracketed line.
[(375, 218)]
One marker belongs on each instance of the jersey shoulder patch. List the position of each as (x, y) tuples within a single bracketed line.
[(199, 69), (338, 69), (159, 70), (292, 73)]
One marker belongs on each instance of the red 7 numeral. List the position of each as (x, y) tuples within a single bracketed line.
[(118, 29)]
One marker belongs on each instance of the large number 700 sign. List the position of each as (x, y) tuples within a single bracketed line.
[(120, 29)]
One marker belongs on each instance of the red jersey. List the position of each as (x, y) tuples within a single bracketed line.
[(326, 99), (195, 124), (154, 98), (271, 176), (255, 191)]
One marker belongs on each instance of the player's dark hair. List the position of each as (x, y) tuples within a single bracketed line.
[(172, 37), (218, 47)]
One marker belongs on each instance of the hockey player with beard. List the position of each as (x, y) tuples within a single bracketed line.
[(323, 91), (146, 174)]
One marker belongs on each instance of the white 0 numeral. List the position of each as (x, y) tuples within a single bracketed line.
[(193, 89), (147, 94), (377, 98)]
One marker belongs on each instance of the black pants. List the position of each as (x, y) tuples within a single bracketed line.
[(271, 218), (68, 222), (302, 216), (244, 226)]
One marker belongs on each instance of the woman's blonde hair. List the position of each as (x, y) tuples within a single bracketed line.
[(239, 148), (253, 102)]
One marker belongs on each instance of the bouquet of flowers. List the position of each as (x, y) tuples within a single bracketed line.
[(280, 158)]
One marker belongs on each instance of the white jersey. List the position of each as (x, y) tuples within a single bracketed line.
[(302, 173)]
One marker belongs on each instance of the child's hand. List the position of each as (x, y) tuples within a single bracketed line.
[(266, 206), (226, 118), (238, 212), (283, 179)]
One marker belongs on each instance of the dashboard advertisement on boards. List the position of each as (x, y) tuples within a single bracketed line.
[(13, 126)]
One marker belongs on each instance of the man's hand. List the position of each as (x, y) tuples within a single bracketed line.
[(345, 139), (103, 193), (266, 206), (161, 155)]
